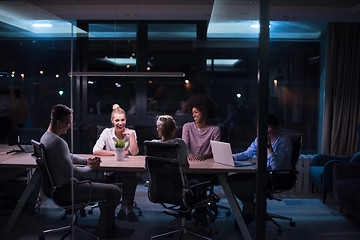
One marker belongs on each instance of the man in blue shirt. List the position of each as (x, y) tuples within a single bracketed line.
[(278, 158)]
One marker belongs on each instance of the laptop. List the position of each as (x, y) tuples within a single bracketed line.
[(223, 155)]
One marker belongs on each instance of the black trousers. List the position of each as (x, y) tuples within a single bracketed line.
[(108, 196)]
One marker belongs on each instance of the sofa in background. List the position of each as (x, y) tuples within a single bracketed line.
[(346, 187), (321, 170)]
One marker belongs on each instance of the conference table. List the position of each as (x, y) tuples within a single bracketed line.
[(131, 164)]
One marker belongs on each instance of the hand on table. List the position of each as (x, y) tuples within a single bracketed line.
[(94, 162), (201, 157)]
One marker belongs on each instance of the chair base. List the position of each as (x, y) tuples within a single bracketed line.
[(68, 230), (96, 205), (182, 231), (271, 216)]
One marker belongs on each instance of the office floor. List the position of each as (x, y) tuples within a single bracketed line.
[(314, 220)]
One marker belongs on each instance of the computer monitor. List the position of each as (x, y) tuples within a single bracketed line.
[(22, 138)]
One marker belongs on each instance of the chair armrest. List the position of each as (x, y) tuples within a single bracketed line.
[(197, 195), (58, 190), (346, 171), (322, 159), (274, 172), (328, 167), (280, 180)]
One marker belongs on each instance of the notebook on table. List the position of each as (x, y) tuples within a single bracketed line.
[(222, 154)]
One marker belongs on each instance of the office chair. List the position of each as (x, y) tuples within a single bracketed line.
[(282, 180), (169, 187), (53, 192), (321, 168)]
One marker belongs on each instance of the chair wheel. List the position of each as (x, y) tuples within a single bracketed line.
[(279, 232), (90, 211), (292, 224)]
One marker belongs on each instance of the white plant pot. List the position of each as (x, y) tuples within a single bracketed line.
[(119, 154)]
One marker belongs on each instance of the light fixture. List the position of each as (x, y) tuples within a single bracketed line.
[(275, 83), (57, 75), (129, 74), (41, 72), (42, 25), (238, 95), (61, 92), (187, 81)]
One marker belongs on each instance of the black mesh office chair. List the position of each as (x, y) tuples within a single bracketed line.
[(282, 180), (53, 192), (169, 187)]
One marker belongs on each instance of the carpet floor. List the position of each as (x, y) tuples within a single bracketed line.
[(314, 221)]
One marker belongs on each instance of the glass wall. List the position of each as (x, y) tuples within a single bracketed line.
[(226, 69), (208, 56)]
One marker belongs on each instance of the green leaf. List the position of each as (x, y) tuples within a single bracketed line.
[(120, 143)]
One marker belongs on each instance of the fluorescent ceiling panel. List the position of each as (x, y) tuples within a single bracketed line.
[(26, 16)]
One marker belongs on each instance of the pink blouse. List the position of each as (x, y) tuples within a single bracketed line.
[(197, 139)]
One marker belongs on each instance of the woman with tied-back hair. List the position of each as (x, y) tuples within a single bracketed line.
[(105, 146)]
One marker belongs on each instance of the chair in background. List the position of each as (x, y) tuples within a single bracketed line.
[(53, 192), (169, 187), (282, 180), (321, 169), (347, 187)]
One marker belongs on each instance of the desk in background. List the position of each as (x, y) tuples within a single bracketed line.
[(20, 160)]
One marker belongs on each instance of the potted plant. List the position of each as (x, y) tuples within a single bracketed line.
[(119, 149)]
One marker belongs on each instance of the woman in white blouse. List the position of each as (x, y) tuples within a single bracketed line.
[(105, 146)]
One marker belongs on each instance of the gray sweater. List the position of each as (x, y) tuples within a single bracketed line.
[(60, 161)]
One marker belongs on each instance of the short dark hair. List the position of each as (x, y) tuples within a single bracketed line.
[(59, 112), (204, 104), (273, 121)]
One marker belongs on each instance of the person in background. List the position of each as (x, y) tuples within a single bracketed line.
[(105, 146), (232, 118), (279, 149), (15, 115), (61, 165), (184, 109), (166, 128), (197, 134)]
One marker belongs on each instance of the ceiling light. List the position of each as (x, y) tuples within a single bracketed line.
[(42, 25)]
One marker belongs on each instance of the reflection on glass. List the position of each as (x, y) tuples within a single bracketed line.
[(103, 92), (167, 96)]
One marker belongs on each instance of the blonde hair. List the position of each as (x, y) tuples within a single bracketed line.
[(166, 126), (117, 109)]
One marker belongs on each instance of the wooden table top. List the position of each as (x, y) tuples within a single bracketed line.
[(108, 163)]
